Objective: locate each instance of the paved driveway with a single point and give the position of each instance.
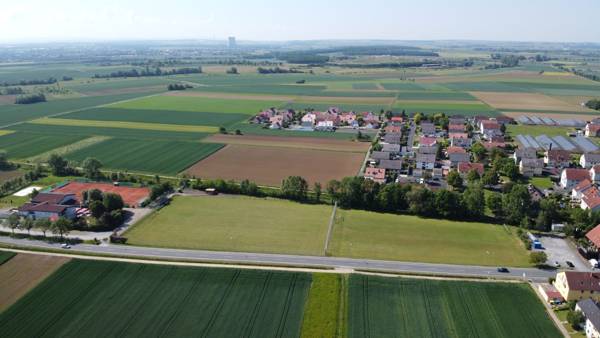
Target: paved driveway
(559, 250)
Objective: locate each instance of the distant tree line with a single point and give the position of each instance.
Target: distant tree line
(30, 99)
(587, 74)
(506, 61)
(593, 104)
(408, 64)
(381, 50)
(49, 80)
(278, 70)
(178, 86)
(12, 91)
(149, 72)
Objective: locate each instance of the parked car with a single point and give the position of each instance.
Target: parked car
(503, 270)
(570, 264)
(65, 246)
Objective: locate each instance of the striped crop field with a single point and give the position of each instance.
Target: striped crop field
(126, 125)
(395, 307)
(163, 157)
(109, 299)
(21, 145)
(198, 104)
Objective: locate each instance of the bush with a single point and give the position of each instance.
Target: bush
(538, 258)
(575, 318)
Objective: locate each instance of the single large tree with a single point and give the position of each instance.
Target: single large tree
(91, 168)
(43, 224)
(57, 164)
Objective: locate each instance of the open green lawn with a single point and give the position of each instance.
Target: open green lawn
(198, 104)
(163, 157)
(541, 182)
(396, 307)
(325, 312)
(110, 299)
(235, 224)
(520, 129)
(158, 116)
(362, 234)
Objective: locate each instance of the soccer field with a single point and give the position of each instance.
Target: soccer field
(232, 223)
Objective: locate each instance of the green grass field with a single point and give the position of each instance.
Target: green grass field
(126, 125)
(198, 104)
(465, 109)
(22, 145)
(324, 315)
(164, 157)
(5, 256)
(395, 307)
(235, 224)
(361, 234)
(109, 299)
(435, 96)
(158, 116)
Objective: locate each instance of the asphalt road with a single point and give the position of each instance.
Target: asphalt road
(293, 260)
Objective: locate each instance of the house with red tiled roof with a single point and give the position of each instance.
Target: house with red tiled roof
(594, 236)
(397, 119)
(557, 158)
(574, 285)
(591, 200)
(457, 155)
(592, 130)
(456, 128)
(465, 167)
(393, 129)
(579, 190)
(375, 174)
(570, 177)
(50, 206)
(489, 129)
(427, 141)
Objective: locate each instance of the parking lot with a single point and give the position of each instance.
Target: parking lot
(559, 250)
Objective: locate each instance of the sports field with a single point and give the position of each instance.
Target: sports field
(132, 196)
(395, 307)
(362, 234)
(108, 299)
(227, 223)
(271, 165)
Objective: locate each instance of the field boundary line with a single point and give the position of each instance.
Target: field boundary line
(330, 229)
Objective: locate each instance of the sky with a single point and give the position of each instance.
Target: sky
(279, 20)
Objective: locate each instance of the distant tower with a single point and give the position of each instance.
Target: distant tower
(232, 43)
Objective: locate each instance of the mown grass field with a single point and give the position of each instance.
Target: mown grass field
(107, 299)
(362, 234)
(158, 117)
(235, 224)
(163, 157)
(394, 307)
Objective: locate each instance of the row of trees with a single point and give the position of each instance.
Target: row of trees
(60, 227)
(50, 80)
(12, 91)
(149, 72)
(593, 104)
(59, 166)
(29, 99)
(278, 70)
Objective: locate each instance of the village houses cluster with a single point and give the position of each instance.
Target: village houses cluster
(329, 120)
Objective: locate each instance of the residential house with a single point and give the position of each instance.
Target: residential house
(375, 174)
(380, 155)
(530, 167)
(591, 200)
(428, 150)
(457, 155)
(308, 120)
(457, 120)
(391, 148)
(490, 129)
(522, 153)
(570, 177)
(371, 120)
(394, 138)
(325, 125)
(456, 128)
(589, 160)
(591, 313)
(425, 161)
(51, 206)
(463, 142)
(428, 129)
(393, 129)
(465, 167)
(594, 236)
(427, 141)
(579, 190)
(392, 166)
(492, 145)
(574, 285)
(348, 118)
(592, 130)
(595, 173)
(550, 294)
(556, 158)
(397, 119)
